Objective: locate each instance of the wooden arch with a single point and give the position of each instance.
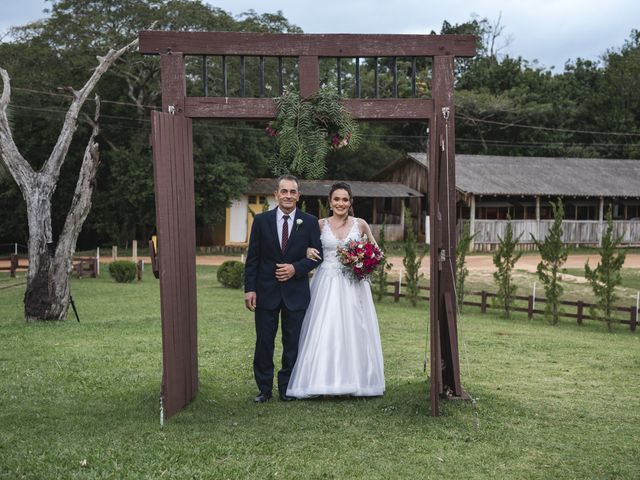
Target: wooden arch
(174, 188)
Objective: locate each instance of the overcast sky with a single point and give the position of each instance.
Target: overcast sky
(551, 31)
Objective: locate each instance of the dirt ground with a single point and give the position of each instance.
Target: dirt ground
(479, 263)
(475, 262)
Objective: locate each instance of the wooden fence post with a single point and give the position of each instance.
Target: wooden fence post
(483, 301)
(579, 312)
(14, 265)
(396, 291)
(139, 269)
(633, 322)
(530, 308)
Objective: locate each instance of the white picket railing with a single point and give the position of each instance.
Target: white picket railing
(575, 232)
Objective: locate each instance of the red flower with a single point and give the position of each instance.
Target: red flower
(360, 258)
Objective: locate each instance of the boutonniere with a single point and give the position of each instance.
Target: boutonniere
(298, 223)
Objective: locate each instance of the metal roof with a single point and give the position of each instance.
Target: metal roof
(320, 188)
(580, 177)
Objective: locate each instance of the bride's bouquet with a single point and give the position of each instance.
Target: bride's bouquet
(359, 258)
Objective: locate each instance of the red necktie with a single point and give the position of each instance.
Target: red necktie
(285, 232)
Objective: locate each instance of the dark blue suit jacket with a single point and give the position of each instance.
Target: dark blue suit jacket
(264, 253)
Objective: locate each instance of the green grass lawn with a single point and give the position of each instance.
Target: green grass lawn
(550, 402)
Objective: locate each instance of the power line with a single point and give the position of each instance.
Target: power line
(66, 95)
(461, 115)
(201, 126)
(551, 129)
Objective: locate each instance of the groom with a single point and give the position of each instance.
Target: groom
(276, 282)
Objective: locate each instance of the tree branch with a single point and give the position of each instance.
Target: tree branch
(81, 202)
(9, 153)
(56, 159)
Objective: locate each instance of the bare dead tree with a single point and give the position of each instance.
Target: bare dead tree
(47, 296)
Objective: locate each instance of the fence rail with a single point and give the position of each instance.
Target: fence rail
(484, 304)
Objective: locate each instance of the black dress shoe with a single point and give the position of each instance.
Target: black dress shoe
(286, 398)
(262, 397)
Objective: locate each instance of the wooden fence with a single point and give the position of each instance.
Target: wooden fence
(86, 266)
(16, 262)
(484, 304)
(81, 266)
(575, 232)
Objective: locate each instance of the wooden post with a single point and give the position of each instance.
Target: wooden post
(579, 312)
(80, 268)
(139, 269)
(396, 291)
(97, 261)
(483, 301)
(374, 214)
(175, 221)
(600, 221)
(530, 308)
(96, 267)
(114, 252)
(134, 250)
(14, 265)
(472, 222)
(537, 216)
(633, 321)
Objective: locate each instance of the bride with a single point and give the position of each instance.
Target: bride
(339, 349)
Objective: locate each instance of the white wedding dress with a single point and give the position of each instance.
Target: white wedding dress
(339, 351)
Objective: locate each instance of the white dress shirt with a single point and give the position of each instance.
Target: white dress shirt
(280, 221)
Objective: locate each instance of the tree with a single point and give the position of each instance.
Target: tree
(412, 260)
(464, 242)
(553, 253)
(382, 273)
(606, 276)
(65, 44)
(505, 259)
(47, 293)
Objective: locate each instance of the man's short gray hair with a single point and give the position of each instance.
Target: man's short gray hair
(287, 177)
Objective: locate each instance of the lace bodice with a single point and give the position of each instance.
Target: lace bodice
(330, 243)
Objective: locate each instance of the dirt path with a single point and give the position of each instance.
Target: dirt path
(480, 263)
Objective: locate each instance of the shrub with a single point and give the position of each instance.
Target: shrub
(412, 260)
(382, 273)
(605, 277)
(553, 254)
(122, 271)
(231, 274)
(505, 260)
(463, 247)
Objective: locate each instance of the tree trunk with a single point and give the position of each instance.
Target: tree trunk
(47, 294)
(48, 277)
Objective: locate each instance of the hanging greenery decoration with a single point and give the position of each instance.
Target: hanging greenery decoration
(306, 130)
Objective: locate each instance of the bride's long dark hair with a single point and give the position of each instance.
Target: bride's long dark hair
(341, 186)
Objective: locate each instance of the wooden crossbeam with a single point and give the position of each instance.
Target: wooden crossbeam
(294, 45)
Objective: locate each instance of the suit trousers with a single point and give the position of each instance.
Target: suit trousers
(266, 329)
